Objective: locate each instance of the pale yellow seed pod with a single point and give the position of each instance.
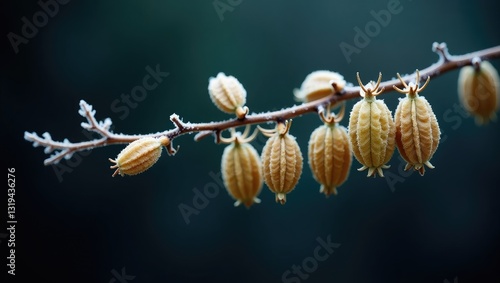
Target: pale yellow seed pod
(478, 90)
(330, 156)
(242, 170)
(281, 162)
(417, 129)
(139, 155)
(372, 130)
(228, 94)
(318, 84)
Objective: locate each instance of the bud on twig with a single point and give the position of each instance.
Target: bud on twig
(139, 155)
(228, 94)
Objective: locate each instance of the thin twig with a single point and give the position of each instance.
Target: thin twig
(65, 149)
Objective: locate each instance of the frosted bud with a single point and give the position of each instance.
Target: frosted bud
(318, 84)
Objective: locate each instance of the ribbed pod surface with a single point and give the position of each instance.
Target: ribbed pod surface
(417, 132)
(227, 93)
(478, 91)
(330, 156)
(282, 164)
(242, 172)
(139, 155)
(372, 133)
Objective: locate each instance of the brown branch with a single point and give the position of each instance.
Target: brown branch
(65, 149)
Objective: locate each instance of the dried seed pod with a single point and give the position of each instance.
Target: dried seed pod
(281, 161)
(318, 84)
(329, 153)
(417, 129)
(241, 168)
(371, 130)
(478, 90)
(228, 94)
(139, 155)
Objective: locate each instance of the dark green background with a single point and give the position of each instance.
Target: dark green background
(442, 226)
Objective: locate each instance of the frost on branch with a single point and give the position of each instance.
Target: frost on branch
(65, 149)
(92, 124)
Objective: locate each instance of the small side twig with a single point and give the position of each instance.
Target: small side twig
(177, 122)
(65, 149)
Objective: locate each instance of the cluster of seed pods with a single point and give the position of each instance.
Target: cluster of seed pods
(372, 136)
(243, 170)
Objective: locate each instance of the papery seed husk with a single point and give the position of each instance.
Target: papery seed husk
(478, 91)
(242, 172)
(282, 164)
(372, 134)
(227, 93)
(318, 84)
(330, 156)
(417, 132)
(139, 155)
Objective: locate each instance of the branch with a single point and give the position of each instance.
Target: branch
(65, 149)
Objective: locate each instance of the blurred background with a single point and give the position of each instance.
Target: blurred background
(78, 224)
